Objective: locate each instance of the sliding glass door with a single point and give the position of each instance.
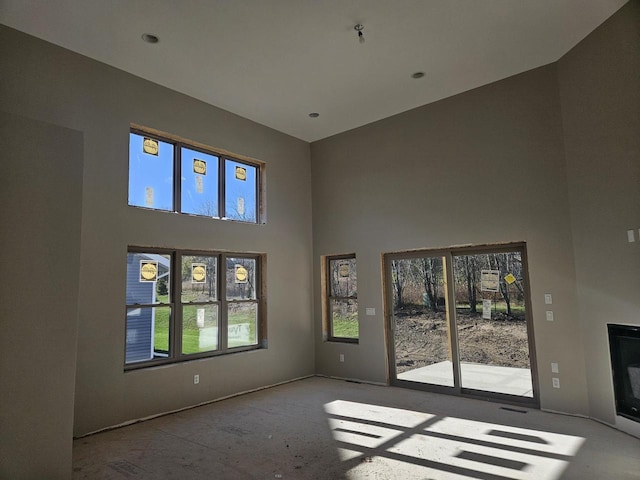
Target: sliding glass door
(458, 322)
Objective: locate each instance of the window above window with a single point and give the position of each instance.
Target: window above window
(175, 176)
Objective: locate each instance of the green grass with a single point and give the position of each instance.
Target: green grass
(191, 332)
(345, 327)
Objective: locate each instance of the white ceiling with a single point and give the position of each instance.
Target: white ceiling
(275, 61)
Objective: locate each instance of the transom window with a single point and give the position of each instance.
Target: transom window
(174, 176)
(183, 305)
(341, 298)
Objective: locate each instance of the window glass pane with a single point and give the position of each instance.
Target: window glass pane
(240, 191)
(199, 183)
(199, 278)
(199, 328)
(148, 278)
(343, 277)
(147, 333)
(241, 278)
(344, 318)
(150, 173)
(243, 324)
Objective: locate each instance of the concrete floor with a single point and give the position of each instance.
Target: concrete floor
(509, 380)
(319, 428)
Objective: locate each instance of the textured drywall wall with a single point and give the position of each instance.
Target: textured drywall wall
(40, 205)
(600, 90)
(486, 166)
(49, 83)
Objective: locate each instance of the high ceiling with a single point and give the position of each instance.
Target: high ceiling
(276, 61)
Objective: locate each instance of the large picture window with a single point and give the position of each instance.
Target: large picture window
(183, 305)
(174, 176)
(341, 298)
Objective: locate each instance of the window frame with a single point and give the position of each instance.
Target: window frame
(222, 155)
(175, 353)
(328, 298)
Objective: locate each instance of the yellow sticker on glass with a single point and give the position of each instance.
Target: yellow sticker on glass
(344, 270)
(198, 273)
(241, 173)
(150, 146)
(199, 166)
(148, 271)
(509, 279)
(241, 274)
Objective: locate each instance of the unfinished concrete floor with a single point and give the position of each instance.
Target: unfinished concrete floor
(319, 428)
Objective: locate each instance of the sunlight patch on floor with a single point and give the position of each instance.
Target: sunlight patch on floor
(414, 443)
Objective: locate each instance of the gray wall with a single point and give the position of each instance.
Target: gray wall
(48, 83)
(600, 90)
(40, 205)
(485, 166)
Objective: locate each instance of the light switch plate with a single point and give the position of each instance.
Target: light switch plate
(554, 367)
(631, 236)
(549, 316)
(548, 299)
(556, 382)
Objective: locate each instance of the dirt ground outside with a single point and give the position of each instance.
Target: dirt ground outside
(421, 339)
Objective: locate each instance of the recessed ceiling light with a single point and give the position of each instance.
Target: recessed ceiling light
(150, 38)
(314, 114)
(417, 75)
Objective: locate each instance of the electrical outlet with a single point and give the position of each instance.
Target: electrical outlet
(341, 357)
(549, 316)
(554, 367)
(548, 299)
(556, 382)
(196, 379)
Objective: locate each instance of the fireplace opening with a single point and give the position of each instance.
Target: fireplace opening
(624, 346)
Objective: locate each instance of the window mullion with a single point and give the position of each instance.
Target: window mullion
(222, 208)
(177, 178)
(223, 331)
(175, 326)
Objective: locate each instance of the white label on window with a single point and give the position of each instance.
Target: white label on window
(489, 280)
(486, 309)
(200, 317)
(199, 184)
(240, 206)
(148, 197)
(239, 331)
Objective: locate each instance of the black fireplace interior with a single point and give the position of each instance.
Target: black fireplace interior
(624, 345)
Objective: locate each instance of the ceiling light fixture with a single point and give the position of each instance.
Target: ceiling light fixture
(314, 114)
(150, 38)
(358, 28)
(417, 75)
